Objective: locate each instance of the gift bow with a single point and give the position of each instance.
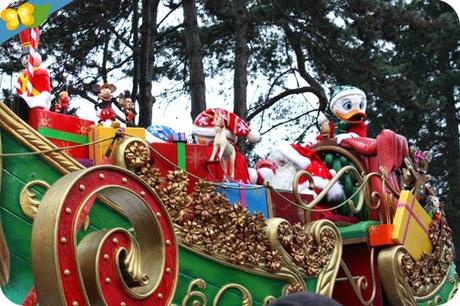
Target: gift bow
(23, 15)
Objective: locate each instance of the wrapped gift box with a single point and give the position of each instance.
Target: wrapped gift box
(282, 206)
(380, 235)
(189, 157)
(253, 197)
(97, 151)
(411, 226)
(62, 130)
(193, 158)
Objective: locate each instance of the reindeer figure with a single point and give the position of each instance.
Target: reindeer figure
(226, 150)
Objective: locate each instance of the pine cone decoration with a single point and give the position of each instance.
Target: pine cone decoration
(218, 228)
(431, 268)
(137, 155)
(150, 175)
(304, 250)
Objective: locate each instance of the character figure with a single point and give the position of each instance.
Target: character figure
(127, 106)
(221, 145)
(62, 105)
(106, 98)
(204, 132)
(348, 104)
(33, 83)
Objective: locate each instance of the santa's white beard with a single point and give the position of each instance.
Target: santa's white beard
(284, 177)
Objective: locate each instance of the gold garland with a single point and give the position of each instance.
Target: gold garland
(302, 247)
(208, 222)
(431, 269)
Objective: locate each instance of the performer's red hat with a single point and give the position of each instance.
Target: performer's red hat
(26, 39)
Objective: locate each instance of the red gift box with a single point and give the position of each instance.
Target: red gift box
(192, 158)
(282, 206)
(380, 235)
(62, 130)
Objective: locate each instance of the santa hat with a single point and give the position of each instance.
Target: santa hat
(343, 91)
(263, 172)
(235, 126)
(29, 37)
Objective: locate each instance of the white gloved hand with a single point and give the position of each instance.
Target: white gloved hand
(341, 137)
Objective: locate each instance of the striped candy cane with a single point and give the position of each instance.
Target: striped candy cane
(31, 65)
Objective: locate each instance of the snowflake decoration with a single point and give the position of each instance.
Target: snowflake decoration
(44, 121)
(83, 128)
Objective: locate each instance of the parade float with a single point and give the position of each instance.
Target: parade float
(95, 214)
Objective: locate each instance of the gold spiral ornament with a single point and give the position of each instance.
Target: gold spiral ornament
(132, 153)
(109, 267)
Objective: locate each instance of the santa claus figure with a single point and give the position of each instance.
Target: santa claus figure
(286, 161)
(204, 131)
(33, 83)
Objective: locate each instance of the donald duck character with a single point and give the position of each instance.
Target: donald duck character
(348, 104)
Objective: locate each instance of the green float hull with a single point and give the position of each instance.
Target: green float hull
(20, 170)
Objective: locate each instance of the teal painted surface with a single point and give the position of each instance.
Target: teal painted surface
(21, 280)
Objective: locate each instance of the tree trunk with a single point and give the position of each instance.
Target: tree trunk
(240, 79)
(135, 31)
(453, 167)
(194, 58)
(146, 61)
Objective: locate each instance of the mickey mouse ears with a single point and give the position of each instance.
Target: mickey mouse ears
(97, 87)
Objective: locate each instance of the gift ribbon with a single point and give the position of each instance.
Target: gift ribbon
(64, 136)
(181, 163)
(412, 214)
(242, 195)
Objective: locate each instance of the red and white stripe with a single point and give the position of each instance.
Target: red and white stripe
(31, 65)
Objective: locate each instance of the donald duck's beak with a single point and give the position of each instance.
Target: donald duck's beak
(353, 116)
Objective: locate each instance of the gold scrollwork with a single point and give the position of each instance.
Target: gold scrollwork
(198, 298)
(393, 280)
(27, 198)
(361, 283)
(147, 263)
(193, 294)
(327, 276)
(247, 298)
(323, 232)
(268, 300)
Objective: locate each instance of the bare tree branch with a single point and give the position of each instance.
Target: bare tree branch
(287, 121)
(268, 103)
(294, 41)
(173, 7)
